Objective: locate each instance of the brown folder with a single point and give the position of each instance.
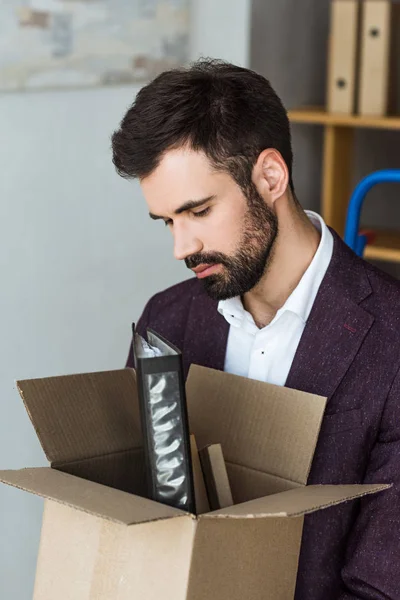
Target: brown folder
(343, 56)
(379, 58)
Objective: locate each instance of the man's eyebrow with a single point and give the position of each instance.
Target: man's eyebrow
(190, 205)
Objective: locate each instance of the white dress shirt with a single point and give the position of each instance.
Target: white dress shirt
(267, 354)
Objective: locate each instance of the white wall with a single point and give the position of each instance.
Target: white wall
(221, 29)
(79, 258)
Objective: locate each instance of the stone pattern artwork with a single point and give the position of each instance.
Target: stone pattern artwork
(84, 43)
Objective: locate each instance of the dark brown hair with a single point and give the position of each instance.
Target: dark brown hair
(230, 113)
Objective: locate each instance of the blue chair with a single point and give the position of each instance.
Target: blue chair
(353, 238)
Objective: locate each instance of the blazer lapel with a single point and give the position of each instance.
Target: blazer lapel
(206, 334)
(336, 327)
(334, 332)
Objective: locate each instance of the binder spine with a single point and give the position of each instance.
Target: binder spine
(344, 49)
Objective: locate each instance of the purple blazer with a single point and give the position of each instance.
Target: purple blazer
(349, 352)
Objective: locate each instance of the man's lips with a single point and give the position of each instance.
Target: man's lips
(205, 270)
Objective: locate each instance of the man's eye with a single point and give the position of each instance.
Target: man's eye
(168, 222)
(202, 213)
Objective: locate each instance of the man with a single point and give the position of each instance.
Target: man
(277, 297)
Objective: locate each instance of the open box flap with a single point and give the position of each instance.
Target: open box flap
(265, 427)
(297, 502)
(84, 415)
(87, 496)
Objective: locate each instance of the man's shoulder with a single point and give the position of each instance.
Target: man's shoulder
(386, 290)
(384, 305)
(379, 291)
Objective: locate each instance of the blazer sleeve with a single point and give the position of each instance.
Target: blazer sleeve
(372, 568)
(141, 327)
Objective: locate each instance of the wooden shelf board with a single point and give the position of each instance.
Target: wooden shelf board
(319, 116)
(386, 247)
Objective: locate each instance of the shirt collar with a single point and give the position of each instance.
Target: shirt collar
(302, 298)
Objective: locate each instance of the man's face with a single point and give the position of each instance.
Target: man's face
(223, 235)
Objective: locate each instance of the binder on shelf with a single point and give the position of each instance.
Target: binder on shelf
(343, 56)
(379, 58)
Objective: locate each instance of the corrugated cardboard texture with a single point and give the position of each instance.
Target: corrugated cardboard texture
(85, 415)
(297, 502)
(247, 484)
(123, 470)
(202, 504)
(86, 558)
(89, 497)
(245, 560)
(261, 426)
(216, 477)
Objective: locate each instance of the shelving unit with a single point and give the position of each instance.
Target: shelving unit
(337, 170)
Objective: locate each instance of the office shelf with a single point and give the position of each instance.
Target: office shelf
(337, 170)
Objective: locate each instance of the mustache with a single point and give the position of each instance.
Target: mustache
(206, 258)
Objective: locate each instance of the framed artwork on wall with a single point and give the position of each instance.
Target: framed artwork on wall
(88, 43)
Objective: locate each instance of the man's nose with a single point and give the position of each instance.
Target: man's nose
(185, 245)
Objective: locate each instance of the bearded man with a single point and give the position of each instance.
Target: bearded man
(277, 297)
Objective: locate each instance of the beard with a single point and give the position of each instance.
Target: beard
(243, 270)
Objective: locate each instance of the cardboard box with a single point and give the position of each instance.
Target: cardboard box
(200, 492)
(216, 477)
(101, 540)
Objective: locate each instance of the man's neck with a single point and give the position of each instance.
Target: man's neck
(294, 249)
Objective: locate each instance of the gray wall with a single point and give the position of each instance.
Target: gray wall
(289, 47)
(79, 258)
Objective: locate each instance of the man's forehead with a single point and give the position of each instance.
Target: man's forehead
(181, 176)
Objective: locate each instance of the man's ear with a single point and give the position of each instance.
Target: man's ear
(271, 175)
